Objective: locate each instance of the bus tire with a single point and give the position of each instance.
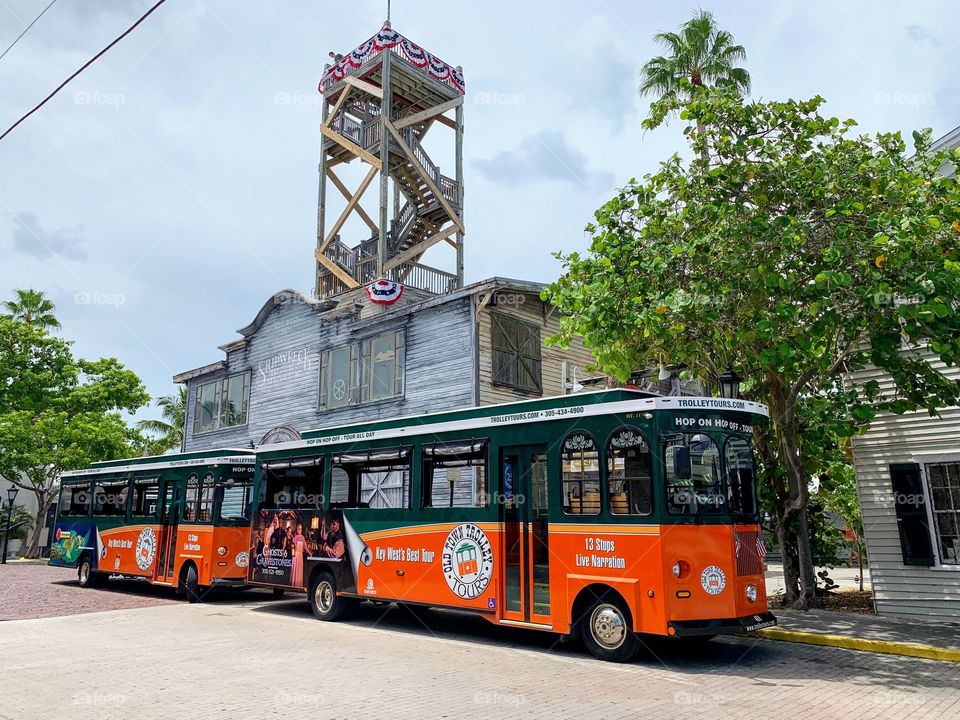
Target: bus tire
(606, 632)
(190, 584)
(324, 601)
(86, 575)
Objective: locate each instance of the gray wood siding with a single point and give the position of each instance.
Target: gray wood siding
(530, 310)
(917, 592)
(283, 356)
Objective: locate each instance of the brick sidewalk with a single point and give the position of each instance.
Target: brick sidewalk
(34, 591)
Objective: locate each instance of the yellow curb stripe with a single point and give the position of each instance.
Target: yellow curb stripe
(906, 649)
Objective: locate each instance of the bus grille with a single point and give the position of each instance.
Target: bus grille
(750, 552)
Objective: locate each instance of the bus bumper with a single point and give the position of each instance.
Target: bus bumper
(725, 626)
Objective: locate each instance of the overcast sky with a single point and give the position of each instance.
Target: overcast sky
(168, 191)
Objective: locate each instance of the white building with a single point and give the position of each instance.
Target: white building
(908, 475)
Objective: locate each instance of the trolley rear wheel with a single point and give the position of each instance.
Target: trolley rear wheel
(605, 629)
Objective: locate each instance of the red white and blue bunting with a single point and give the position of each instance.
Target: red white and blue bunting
(384, 292)
(384, 40)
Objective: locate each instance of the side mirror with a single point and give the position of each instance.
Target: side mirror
(682, 467)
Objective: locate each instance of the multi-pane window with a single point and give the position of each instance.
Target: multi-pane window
(944, 479)
(581, 475)
(516, 353)
(110, 498)
(75, 500)
(629, 473)
(237, 500)
(379, 479)
(366, 371)
(145, 493)
(222, 403)
(455, 475)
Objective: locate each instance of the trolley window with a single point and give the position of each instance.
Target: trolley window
(581, 475)
(75, 500)
(379, 479)
(629, 473)
(110, 498)
(455, 475)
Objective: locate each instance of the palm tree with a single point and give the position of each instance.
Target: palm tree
(33, 308)
(700, 53)
(169, 430)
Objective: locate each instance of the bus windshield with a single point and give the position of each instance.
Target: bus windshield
(707, 475)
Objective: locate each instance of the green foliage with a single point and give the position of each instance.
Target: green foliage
(59, 413)
(792, 249)
(21, 520)
(33, 308)
(167, 433)
(700, 54)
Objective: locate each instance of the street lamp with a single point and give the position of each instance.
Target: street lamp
(730, 384)
(11, 496)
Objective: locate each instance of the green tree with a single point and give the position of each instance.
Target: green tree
(166, 433)
(58, 413)
(33, 308)
(699, 55)
(838, 490)
(793, 250)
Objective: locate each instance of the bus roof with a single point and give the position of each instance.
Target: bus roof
(218, 456)
(601, 402)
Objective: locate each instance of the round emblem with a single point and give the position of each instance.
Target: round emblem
(713, 580)
(339, 389)
(116, 562)
(241, 559)
(467, 561)
(146, 548)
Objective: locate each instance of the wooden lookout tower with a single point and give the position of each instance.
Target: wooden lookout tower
(379, 101)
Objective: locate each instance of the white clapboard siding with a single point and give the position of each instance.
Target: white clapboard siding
(903, 590)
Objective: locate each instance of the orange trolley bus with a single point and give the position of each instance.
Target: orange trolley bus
(181, 520)
(604, 515)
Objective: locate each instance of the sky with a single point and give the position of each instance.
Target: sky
(165, 194)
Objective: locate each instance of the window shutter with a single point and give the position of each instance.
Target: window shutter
(912, 521)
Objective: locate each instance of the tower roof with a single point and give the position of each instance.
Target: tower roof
(390, 39)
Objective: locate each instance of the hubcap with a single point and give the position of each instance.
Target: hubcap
(84, 573)
(608, 627)
(324, 596)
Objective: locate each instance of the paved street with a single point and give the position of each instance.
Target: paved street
(244, 655)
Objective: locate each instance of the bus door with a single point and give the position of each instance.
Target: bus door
(525, 560)
(171, 510)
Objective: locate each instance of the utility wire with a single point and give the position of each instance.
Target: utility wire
(27, 28)
(82, 68)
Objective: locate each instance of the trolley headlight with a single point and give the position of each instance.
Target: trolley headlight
(676, 569)
(222, 550)
(681, 569)
(752, 593)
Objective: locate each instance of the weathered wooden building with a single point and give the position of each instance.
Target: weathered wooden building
(304, 363)
(384, 334)
(908, 475)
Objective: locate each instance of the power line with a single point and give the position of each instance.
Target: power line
(27, 29)
(83, 67)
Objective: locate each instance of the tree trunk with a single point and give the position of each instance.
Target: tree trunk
(43, 507)
(791, 575)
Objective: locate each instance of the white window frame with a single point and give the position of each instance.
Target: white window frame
(221, 388)
(923, 460)
(361, 372)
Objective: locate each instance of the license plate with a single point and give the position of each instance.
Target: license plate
(760, 625)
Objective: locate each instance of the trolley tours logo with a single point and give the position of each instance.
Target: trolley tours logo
(242, 560)
(713, 580)
(467, 561)
(146, 548)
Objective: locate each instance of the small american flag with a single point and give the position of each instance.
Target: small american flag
(738, 545)
(761, 547)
